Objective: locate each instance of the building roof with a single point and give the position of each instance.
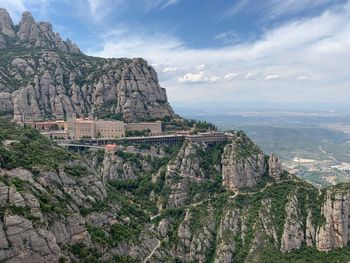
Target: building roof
(110, 146)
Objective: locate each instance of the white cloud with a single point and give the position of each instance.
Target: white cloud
(201, 67)
(317, 47)
(158, 4)
(100, 9)
(302, 78)
(228, 37)
(230, 76)
(170, 3)
(251, 75)
(16, 7)
(236, 8)
(277, 8)
(200, 77)
(170, 69)
(272, 77)
(273, 9)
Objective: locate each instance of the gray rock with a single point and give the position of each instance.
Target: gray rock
(2, 42)
(293, 234)
(242, 169)
(129, 88)
(335, 232)
(28, 243)
(275, 167)
(6, 24)
(310, 235)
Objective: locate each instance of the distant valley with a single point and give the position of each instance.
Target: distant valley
(314, 145)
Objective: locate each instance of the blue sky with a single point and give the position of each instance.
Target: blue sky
(216, 50)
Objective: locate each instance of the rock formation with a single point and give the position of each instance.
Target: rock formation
(157, 205)
(275, 167)
(334, 233)
(293, 235)
(6, 24)
(50, 78)
(243, 164)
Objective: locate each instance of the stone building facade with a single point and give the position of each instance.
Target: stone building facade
(78, 128)
(153, 127)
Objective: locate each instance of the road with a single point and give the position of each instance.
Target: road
(152, 252)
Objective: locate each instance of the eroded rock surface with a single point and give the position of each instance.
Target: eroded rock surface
(51, 78)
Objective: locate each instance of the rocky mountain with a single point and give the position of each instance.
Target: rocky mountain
(188, 203)
(44, 77)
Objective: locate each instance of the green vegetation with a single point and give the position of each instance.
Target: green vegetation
(305, 255)
(28, 148)
(179, 124)
(76, 170)
(85, 254)
(107, 111)
(48, 202)
(176, 216)
(210, 159)
(142, 133)
(278, 194)
(23, 211)
(245, 147)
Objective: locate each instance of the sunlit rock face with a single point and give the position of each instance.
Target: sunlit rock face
(48, 77)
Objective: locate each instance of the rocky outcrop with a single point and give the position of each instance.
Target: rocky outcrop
(293, 235)
(115, 167)
(2, 42)
(54, 79)
(310, 235)
(27, 243)
(243, 164)
(40, 35)
(6, 24)
(193, 245)
(334, 233)
(275, 167)
(186, 169)
(232, 225)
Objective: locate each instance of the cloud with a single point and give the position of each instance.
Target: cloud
(16, 7)
(317, 47)
(230, 76)
(201, 67)
(273, 9)
(170, 3)
(150, 5)
(100, 9)
(236, 8)
(277, 8)
(200, 77)
(302, 78)
(272, 77)
(251, 75)
(173, 69)
(228, 37)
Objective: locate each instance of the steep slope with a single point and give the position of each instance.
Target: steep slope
(162, 204)
(42, 76)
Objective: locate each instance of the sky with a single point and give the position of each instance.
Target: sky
(216, 51)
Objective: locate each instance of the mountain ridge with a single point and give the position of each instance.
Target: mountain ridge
(191, 202)
(162, 204)
(44, 77)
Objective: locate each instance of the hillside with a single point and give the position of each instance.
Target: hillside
(190, 203)
(44, 77)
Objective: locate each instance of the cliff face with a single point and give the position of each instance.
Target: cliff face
(161, 204)
(243, 164)
(42, 76)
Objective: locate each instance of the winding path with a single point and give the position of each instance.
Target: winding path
(152, 252)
